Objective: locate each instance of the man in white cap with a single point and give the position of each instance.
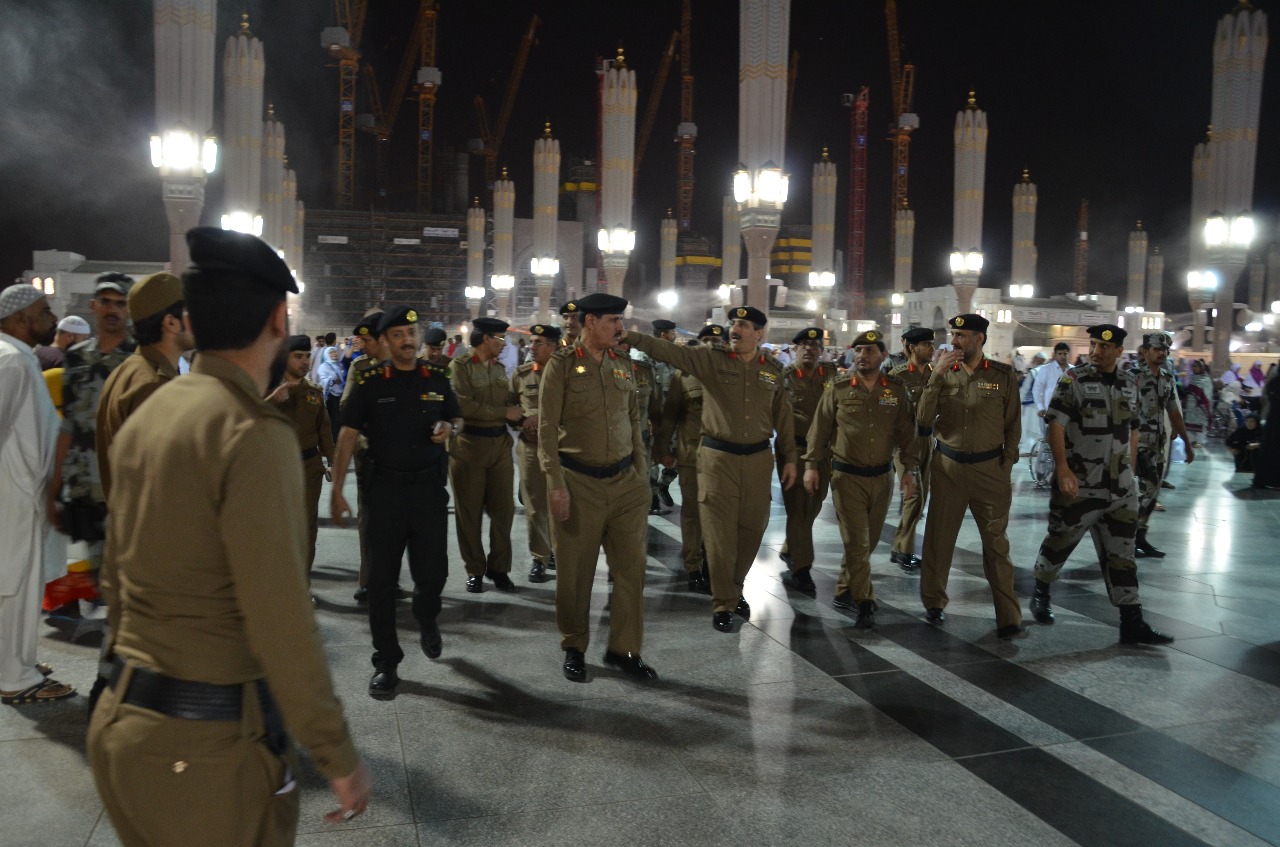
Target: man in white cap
(28, 434)
(71, 331)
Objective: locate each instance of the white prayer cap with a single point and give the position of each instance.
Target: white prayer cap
(73, 324)
(15, 298)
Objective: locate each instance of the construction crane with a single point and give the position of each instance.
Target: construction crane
(902, 82)
(428, 83)
(492, 139)
(342, 42)
(857, 260)
(655, 97)
(687, 131)
(1082, 250)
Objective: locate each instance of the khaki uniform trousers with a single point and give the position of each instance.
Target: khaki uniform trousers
(196, 783)
(913, 507)
(690, 525)
(613, 513)
(802, 511)
(533, 490)
(986, 491)
(733, 506)
(483, 478)
(313, 474)
(861, 502)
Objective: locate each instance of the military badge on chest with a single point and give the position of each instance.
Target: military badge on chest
(989, 386)
(768, 378)
(888, 398)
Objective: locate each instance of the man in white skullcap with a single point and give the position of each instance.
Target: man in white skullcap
(71, 331)
(32, 552)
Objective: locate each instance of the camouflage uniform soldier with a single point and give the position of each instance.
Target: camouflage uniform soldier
(805, 380)
(914, 373)
(526, 383)
(1093, 431)
(645, 380)
(1156, 397)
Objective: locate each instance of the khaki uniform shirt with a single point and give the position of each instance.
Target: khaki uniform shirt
(483, 390)
(588, 410)
(136, 379)
(805, 388)
(526, 382)
(974, 414)
(205, 569)
(304, 407)
(1099, 413)
(861, 424)
(682, 415)
(646, 390)
(744, 401)
(914, 378)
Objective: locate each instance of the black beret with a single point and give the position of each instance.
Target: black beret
(435, 337)
(663, 325)
(214, 248)
(973, 323)
(804, 336)
(368, 325)
(916, 334)
(748, 313)
(397, 316)
(570, 307)
(1110, 333)
(551, 333)
(298, 344)
(489, 326)
(712, 330)
(600, 303)
(871, 336)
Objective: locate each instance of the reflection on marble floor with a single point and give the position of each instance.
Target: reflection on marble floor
(798, 728)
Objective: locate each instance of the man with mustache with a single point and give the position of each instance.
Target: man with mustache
(370, 357)
(806, 379)
(526, 384)
(914, 373)
(1156, 398)
(744, 405)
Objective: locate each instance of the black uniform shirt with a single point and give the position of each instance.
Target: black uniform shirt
(398, 410)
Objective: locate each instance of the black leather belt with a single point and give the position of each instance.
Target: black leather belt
(486, 431)
(801, 441)
(735, 449)
(968, 458)
(310, 454)
(592, 471)
(860, 470)
(187, 699)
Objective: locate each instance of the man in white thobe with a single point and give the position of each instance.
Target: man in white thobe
(33, 552)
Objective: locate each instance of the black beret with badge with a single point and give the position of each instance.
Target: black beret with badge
(663, 325)
(215, 249)
(973, 323)
(435, 337)
(711, 331)
(748, 313)
(551, 333)
(871, 336)
(1109, 333)
(806, 336)
(570, 307)
(368, 325)
(489, 326)
(917, 334)
(600, 303)
(397, 316)
(298, 344)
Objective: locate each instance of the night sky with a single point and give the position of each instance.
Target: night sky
(1100, 100)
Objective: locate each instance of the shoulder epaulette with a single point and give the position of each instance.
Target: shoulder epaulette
(363, 375)
(1000, 366)
(525, 368)
(893, 378)
(563, 353)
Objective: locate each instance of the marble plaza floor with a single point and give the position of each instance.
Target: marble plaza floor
(798, 728)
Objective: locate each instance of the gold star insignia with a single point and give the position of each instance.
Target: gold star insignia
(411, 316)
(581, 369)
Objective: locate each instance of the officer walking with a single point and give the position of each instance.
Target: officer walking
(370, 357)
(590, 446)
(1157, 397)
(217, 652)
(660, 478)
(405, 408)
(806, 380)
(868, 417)
(526, 384)
(480, 466)
(744, 404)
(914, 373)
(970, 406)
(645, 381)
(1093, 432)
(302, 402)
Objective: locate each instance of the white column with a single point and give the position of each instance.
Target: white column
(730, 243)
(617, 174)
(475, 246)
(1024, 231)
(299, 235)
(1137, 276)
(904, 236)
(288, 216)
(1155, 281)
(272, 179)
(1239, 56)
(667, 255)
(546, 188)
(1202, 168)
(243, 69)
(822, 263)
(504, 202)
(970, 181)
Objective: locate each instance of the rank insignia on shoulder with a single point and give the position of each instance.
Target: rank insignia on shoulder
(433, 395)
(1065, 379)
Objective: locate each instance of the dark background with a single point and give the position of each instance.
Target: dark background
(1100, 100)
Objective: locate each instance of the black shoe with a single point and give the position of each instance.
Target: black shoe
(786, 559)
(575, 666)
(909, 562)
(1140, 632)
(501, 581)
(800, 580)
(743, 609)
(538, 572)
(844, 600)
(551, 563)
(475, 584)
(1010, 631)
(361, 596)
(1144, 548)
(722, 621)
(432, 644)
(631, 664)
(401, 594)
(1167, 484)
(866, 614)
(1040, 608)
(934, 616)
(664, 493)
(655, 506)
(697, 582)
(383, 683)
(706, 577)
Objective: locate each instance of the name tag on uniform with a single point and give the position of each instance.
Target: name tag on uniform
(1092, 389)
(431, 395)
(989, 386)
(621, 374)
(888, 399)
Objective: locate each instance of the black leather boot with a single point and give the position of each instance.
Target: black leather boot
(1143, 547)
(1134, 630)
(1040, 609)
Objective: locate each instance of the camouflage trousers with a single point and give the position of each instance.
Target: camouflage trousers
(1112, 522)
(1152, 465)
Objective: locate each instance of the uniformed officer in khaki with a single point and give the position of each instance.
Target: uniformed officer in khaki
(645, 380)
(744, 404)
(433, 342)
(302, 402)
(858, 425)
(218, 658)
(590, 446)
(682, 415)
(805, 379)
(970, 405)
(480, 466)
(571, 323)
(917, 343)
(526, 384)
(366, 335)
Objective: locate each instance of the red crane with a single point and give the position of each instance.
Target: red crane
(857, 260)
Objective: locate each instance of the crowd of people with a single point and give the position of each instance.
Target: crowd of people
(195, 483)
